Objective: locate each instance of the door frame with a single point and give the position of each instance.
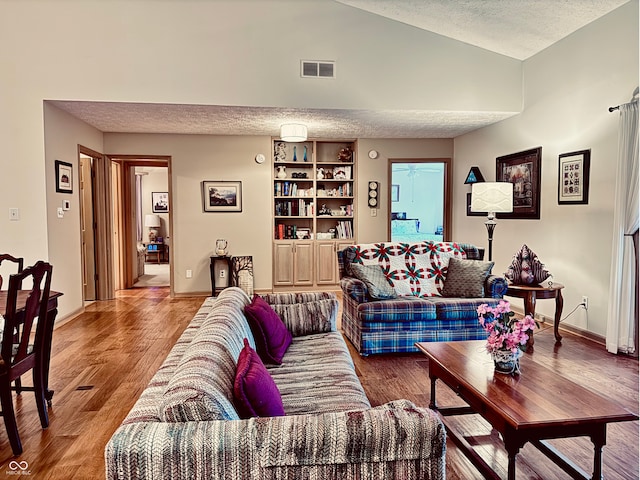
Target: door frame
(127, 204)
(448, 176)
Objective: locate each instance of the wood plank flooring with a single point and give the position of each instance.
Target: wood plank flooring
(103, 359)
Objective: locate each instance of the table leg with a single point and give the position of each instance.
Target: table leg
(432, 403)
(558, 317)
(530, 309)
(512, 444)
(598, 439)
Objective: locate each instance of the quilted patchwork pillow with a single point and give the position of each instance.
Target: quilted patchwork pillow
(465, 278)
(377, 284)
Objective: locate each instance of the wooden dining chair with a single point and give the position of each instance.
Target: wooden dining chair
(11, 258)
(18, 354)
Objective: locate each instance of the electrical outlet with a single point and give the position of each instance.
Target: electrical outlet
(374, 212)
(223, 273)
(14, 214)
(585, 302)
(189, 273)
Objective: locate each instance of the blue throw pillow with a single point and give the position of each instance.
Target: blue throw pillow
(377, 283)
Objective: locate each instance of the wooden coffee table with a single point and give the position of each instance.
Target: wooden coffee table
(532, 407)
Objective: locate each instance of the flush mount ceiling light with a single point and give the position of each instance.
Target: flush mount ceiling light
(293, 132)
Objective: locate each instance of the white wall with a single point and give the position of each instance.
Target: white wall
(375, 229)
(568, 88)
(226, 52)
(62, 137)
(195, 158)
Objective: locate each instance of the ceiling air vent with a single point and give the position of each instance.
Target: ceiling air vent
(318, 69)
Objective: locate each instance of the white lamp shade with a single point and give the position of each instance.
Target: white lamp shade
(152, 221)
(293, 132)
(492, 197)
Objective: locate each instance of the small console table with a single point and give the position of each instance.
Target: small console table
(531, 293)
(160, 250)
(220, 269)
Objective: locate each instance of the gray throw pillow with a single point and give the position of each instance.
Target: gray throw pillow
(465, 278)
(373, 276)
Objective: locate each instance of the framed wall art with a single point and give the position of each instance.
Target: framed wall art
(222, 196)
(64, 177)
(523, 169)
(573, 177)
(160, 202)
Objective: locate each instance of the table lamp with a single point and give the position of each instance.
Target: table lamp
(492, 197)
(152, 222)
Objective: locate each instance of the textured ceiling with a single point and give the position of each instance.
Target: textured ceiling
(224, 120)
(517, 28)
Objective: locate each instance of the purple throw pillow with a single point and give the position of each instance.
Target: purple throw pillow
(269, 331)
(255, 393)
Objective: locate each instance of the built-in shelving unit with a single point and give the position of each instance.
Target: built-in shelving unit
(313, 209)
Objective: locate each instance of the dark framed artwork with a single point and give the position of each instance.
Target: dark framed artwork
(473, 214)
(222, 196)
(395, 193)
(523, 169)
(64, 177)
(573, 177)
(160, 202)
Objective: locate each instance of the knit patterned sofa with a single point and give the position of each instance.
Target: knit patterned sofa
(185, 426)
(420, 313)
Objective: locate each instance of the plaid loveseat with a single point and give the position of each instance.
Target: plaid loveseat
(420, 313)
(185, 425)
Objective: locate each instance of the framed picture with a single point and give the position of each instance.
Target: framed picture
(523, 169)
(222, 196)
(160, 202)
(573, 177)
(395, 193)
(64, 177)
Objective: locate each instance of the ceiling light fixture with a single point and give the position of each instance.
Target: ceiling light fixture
(293, 132)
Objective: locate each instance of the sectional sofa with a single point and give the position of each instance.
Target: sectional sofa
(395, 294)
(187, 423)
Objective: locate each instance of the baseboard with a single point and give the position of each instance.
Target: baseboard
(68, 317)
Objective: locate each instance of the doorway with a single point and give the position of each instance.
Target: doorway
(87, 228)
(419, 200)
(145, 208)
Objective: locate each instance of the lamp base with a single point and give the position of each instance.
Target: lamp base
(491, 225)
(153, 236)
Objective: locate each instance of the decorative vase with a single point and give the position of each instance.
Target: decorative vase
(507, 362)
(295, 154)
(282, 171)
(305, 154)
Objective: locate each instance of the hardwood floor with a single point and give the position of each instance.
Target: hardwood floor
(103, 359)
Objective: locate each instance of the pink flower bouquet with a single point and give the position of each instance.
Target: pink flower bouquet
(506, 333)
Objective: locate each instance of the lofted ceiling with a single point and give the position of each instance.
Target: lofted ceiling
(515, 28)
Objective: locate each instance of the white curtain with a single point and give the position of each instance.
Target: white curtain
(620, 321)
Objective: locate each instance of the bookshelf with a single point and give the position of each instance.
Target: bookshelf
(314, 196)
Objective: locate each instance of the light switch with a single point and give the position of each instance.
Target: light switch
(60, 212)
(374, 212)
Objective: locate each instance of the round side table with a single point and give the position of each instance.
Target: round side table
(530, 293)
